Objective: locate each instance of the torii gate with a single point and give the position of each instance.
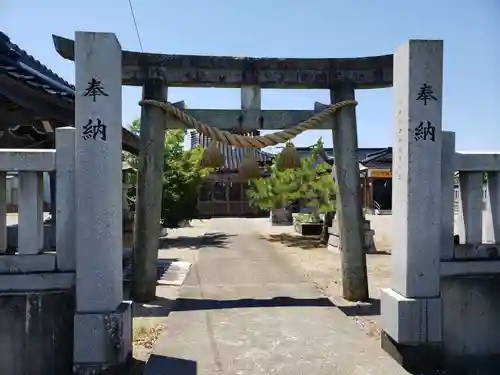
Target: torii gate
(156, 72)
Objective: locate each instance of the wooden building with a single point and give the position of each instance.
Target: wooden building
(377, 186)
(224, 191)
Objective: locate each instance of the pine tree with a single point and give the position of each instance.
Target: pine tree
(310, 186)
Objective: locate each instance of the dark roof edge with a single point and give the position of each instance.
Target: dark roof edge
(17, 53)
(15, 56)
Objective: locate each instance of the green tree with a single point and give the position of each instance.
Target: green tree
(182, 177)
(310, 186)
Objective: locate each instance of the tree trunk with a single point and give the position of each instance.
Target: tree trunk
(327, 223)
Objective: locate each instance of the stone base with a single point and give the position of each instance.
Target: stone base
(103, 341)
(431, 359)
(414, 358)
(411, 321)
(334, 238)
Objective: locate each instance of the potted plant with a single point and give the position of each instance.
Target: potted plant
(308, 224)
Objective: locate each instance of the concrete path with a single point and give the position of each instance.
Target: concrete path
(244, 310)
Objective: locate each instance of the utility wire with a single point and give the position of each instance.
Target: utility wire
(135, 24)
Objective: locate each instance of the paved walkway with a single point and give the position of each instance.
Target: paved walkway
(244, 310)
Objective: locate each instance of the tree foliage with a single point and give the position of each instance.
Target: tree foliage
(182, 177)
(311, 185)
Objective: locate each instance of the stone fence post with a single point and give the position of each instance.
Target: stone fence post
(65, 199)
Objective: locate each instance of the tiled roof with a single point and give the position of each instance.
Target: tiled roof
(368, 157)
(382, 156)
(234, 156)
(18, 64)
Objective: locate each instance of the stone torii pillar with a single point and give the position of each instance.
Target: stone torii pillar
(149, 194)
(103, 321)
(349, 210)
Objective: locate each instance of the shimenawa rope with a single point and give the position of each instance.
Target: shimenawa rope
(243, 141)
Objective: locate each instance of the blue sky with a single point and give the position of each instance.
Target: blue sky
(292, 28)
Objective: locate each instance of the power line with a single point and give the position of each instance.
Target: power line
(135, 24)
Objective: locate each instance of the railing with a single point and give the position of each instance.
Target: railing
(476, 211)
(457, 198)
(30, 165)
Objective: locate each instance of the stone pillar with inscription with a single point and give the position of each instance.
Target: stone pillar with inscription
(411, 309)
(103, 327)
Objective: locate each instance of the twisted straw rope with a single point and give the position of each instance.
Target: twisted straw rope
(243, 141)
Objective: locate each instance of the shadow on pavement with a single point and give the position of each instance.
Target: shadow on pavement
(160, 307)
(370, 308)
(188, 304)
(305, 242)
(290, 240)
(163, 306)
(162, 266)
(219, 240)
(159, 364)
(136, 367)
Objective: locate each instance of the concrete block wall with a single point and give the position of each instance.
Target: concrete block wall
(36, 331)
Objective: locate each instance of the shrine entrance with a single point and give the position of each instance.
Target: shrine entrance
(156, 72)
(102, 68)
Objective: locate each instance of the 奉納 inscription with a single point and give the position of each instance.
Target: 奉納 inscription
(94, 130)
(426, 94)
(94, 89)
(425, 131)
